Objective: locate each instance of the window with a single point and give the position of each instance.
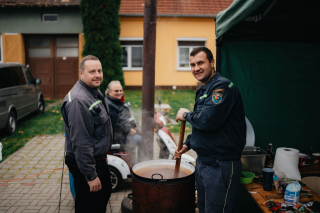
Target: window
(30, 79)
(6, 78)
(39, 47)
(185, 46)
(1, 54)
(132, 54)
(18, 76)
(50, 17)
(67, 47)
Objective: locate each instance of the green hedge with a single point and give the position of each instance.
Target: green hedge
(101, 27)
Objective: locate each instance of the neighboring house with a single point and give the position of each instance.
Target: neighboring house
(46, 35)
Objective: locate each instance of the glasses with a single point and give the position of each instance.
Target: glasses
(117, 90)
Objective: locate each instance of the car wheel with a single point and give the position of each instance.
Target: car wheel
(11, 123)
(41, 107)
(115, 178)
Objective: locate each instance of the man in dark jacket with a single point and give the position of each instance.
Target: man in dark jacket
(88, 133)
(125, 130)
(218, 135)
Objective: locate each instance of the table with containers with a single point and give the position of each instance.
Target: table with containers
(275, 181)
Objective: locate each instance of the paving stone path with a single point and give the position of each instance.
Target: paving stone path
(40, 193)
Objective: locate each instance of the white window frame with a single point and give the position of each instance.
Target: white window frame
(129, 67)
(190, 49)
(1, 49)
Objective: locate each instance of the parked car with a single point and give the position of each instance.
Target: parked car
(20, 95)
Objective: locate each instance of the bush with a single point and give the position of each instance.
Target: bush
(101, 28)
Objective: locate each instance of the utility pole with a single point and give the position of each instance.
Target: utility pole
(148, 81)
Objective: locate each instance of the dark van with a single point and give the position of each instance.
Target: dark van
(20, 95)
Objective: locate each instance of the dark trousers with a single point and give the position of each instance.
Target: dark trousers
(217, 185)
(86, 201)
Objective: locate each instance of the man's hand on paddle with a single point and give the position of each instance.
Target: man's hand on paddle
(177, 154)
(179, 116)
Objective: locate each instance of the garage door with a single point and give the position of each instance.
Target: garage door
(54, 60)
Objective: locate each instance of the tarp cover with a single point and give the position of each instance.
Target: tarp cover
(235, 13)
(280, 84)
(272, 54)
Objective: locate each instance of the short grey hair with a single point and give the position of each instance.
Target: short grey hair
(110, 85)
(87, 58)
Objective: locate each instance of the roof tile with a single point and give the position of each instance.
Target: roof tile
(177, 7)
(136, 7)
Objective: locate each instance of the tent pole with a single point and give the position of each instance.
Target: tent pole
(218, 63)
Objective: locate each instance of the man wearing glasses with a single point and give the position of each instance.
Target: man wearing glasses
(125, 131)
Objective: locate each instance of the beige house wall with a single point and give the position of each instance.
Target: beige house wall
(169, 30)
(13, 48)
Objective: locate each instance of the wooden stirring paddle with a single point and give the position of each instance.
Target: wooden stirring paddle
(178, 160)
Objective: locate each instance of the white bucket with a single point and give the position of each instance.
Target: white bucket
(0, 151)
(292, 192)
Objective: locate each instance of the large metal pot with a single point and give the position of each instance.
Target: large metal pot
(157, 194)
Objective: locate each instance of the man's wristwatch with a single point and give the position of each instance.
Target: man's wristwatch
(92, 176)
(185, 114)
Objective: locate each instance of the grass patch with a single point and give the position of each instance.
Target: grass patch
(50, 122)
(50, 101)
(175, 98)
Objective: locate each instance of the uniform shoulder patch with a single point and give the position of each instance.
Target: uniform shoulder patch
(218, 91)
(217, 96)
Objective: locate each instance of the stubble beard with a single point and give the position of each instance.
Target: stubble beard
(94, 85)
(206, 78)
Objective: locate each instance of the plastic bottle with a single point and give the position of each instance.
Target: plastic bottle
(292, 192)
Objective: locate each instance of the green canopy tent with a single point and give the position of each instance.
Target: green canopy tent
(270, 49)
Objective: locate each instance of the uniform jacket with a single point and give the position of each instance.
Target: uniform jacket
(88, 127)
(121, 118)
(218, 121)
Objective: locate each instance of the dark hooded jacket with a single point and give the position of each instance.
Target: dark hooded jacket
(121, 119)
(88, 127)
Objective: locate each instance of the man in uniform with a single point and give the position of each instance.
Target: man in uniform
(218, 135)
(88, 133)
